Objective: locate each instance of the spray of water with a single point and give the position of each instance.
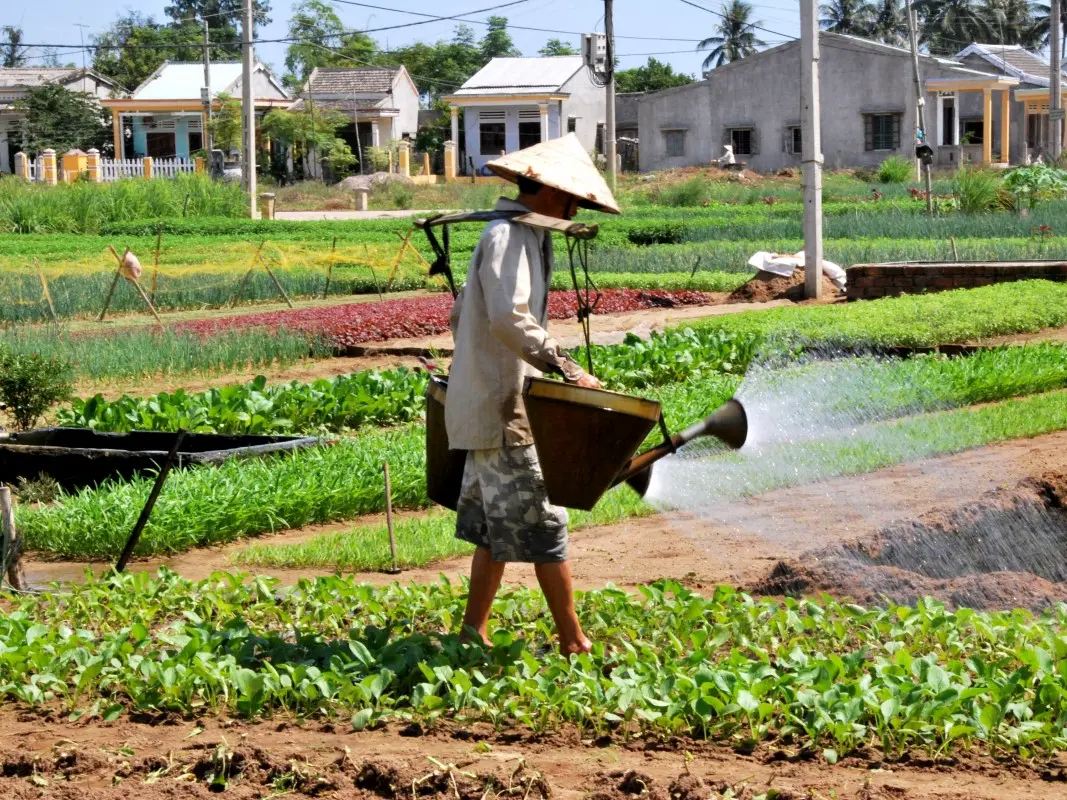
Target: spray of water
(809, 420)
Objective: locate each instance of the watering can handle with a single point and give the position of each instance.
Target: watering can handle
(666, 434)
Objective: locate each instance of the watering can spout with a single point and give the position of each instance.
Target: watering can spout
(728, 424)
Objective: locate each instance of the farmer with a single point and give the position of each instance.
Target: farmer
(498, 322)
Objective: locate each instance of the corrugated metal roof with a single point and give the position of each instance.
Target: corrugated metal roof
(181, 80)
(522, 76)
(345, 80)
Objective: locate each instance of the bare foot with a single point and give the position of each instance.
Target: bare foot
(469, 635)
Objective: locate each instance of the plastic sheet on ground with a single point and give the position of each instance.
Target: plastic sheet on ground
(785, 265)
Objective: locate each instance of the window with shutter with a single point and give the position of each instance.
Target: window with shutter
(744, 141)
(868, 132)
(881, 131)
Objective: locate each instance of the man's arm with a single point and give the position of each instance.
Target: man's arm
(504, 271)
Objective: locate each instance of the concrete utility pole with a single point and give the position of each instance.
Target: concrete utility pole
(248, 110)
(609, 114)
(811, 146)
(209, 140)
(920, 101)
(1055, 98)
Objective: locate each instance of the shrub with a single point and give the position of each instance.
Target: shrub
(1036, 183)
(659, 232)
(31, 384)
(377, 157)
(894, 170)
(975, 190)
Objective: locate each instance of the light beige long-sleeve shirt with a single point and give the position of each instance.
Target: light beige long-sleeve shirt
(498, 323)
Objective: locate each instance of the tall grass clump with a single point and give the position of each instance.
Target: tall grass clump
(975, 190)
(693, 192)
(84, 207)
(894, 170)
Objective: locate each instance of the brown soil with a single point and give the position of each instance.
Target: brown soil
(766, 286)
(1004, 551)
(739, 543)
(152, 758)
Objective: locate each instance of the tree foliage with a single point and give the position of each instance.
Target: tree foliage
(136, 45)
(312, 129)
(735, 35)
(225, 125)
(223, 17)
(652, 77)
(557, 47)
(322, 42)
(58, 118)
(12, 51)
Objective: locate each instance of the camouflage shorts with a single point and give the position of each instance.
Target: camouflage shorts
(503, 506)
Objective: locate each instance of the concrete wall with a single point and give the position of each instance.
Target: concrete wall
(626, 110)
(587, 102)
(684, 107)
(763, 92)
(406, 100)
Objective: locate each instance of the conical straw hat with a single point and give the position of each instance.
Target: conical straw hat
(561, 164)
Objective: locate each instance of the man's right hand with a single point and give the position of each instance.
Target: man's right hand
(588, 381)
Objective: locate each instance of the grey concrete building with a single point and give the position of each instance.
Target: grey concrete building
(868, 109)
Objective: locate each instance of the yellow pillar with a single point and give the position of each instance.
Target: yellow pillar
(198, 162)
(92, 165)
(22, 165)
(116, 132)
(48, 166)
(450, 161)
(987, 126)
(148, 166)
(425, 163)
(1005, 127)
(75, 163)
(404, 157)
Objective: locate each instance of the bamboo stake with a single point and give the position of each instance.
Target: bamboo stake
(270, 272)
(12, 542)
(389, 518)
(399, 257)
(155, 263)
(955, 255)
(244, 279)
(329, 268)
(142, 521)
(44, 287)
(111, 291)
(140, 291)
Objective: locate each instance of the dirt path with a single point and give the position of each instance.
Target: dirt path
(737, 543)
(608, 329)
(50, 758)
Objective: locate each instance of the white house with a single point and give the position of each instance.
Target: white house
(164, 117)
(512, 103)
(382, 102)
(16, 81)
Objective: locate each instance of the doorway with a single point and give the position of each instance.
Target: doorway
(160, 145)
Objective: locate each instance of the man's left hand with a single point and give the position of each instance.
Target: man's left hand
(588, 381)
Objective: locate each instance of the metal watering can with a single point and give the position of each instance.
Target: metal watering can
(586, 440)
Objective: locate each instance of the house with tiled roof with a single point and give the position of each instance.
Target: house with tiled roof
(1030, 106)
(512, 103)
(382, 102)
(16, 81)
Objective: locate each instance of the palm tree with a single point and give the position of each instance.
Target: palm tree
(736, 36)
(851, 17)
(888, 23)
(1042, 13)
(1012, 22)
(949, 25)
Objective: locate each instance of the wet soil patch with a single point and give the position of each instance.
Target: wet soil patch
(1008, 550)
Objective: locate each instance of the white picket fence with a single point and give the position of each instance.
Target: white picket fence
(111, 169)
(169, 167)
(36, 168)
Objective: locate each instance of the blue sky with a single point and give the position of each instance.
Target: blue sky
(40, 21)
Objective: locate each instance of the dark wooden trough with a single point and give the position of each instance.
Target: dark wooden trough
(80, 457)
